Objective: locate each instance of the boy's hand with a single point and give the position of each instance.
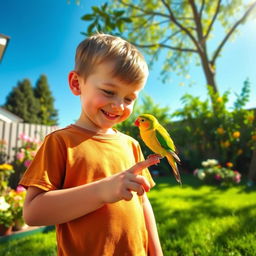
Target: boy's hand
(120, 186)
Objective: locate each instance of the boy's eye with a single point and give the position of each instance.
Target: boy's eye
(109, 93)
(128, 100)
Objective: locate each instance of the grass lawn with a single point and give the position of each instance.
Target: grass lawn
(42, 244)
(204, 220)
(192, 220)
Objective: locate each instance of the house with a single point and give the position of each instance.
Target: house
(9, 117)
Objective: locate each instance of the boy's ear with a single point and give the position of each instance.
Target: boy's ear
(74, 84)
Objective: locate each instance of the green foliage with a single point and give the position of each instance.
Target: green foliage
(33, 105)
(5, 172)
(23, 157)
(16, 199)
(3, 155)
(207, 131)
(105, 19)
(6, 218)
(47, 113)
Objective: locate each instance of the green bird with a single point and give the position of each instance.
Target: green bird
(158, 140)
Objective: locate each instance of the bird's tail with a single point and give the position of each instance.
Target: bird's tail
(173, 164)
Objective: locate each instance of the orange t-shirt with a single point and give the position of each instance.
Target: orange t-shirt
(74, 156)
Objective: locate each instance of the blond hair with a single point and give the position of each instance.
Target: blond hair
(129, 64)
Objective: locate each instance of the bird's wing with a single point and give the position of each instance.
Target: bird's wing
(166, 141)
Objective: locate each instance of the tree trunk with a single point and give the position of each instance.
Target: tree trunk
(209, 70)
(252, 168)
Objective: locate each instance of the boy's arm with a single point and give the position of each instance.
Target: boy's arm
(154, 245)
(63, 205)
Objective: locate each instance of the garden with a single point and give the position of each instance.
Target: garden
(212, 213)
(12, 195)
(195, 219)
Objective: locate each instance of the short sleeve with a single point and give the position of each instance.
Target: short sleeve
(47, 170)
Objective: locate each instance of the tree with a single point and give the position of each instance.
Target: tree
(21, 102)
(33, 105)
(182, 28)
(47, 114)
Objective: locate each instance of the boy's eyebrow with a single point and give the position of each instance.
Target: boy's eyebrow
(110, 84)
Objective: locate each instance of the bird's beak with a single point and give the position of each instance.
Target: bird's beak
(137, 123)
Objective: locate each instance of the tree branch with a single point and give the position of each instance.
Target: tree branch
(143, 10)
(175, 21)
(180, 49)
(165, 46)
(197, 21)
(213, 19)
(202, 9)
(217, 52)
(149, 25)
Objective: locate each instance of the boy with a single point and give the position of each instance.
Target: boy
(88, 179)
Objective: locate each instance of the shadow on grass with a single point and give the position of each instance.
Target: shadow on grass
(178, 228)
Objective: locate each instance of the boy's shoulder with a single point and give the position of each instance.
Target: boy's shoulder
(67, 133)
(128, 137)
(61, 131)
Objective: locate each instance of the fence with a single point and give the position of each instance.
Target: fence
(9, 134)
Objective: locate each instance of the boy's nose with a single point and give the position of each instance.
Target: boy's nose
(117, 106)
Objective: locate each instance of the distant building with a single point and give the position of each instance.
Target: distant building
(9, 117)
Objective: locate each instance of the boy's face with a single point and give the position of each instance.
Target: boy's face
(105, 100)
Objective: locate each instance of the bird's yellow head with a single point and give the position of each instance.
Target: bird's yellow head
(145, 122)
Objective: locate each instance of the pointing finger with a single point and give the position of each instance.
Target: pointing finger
(137, 168)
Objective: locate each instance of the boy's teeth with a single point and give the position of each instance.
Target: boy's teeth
(108, 114)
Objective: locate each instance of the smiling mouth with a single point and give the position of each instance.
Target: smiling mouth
(109, 115)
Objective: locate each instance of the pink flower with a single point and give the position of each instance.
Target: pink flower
(237, 177)
(217, 177)
(24, 137)
(195, 172)
(20, 156)
(20, 189)
(27, 163)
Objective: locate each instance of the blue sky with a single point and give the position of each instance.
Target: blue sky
(44, 35)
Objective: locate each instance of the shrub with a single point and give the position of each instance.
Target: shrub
(16, 199)
(24, 155)
(5, 172)
(213, 173)
(212, 131)
(3, 155)
(6, 217)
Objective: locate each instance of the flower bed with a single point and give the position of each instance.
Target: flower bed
(11, 205)
(213, 173)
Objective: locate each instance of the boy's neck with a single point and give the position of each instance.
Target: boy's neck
(96, 130)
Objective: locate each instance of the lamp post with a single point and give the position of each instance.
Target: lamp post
(3, 45)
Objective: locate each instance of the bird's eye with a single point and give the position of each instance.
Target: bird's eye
(142, 120)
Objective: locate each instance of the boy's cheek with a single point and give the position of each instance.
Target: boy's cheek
(131, 109)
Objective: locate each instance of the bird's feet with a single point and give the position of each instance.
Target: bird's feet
(155, 155)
